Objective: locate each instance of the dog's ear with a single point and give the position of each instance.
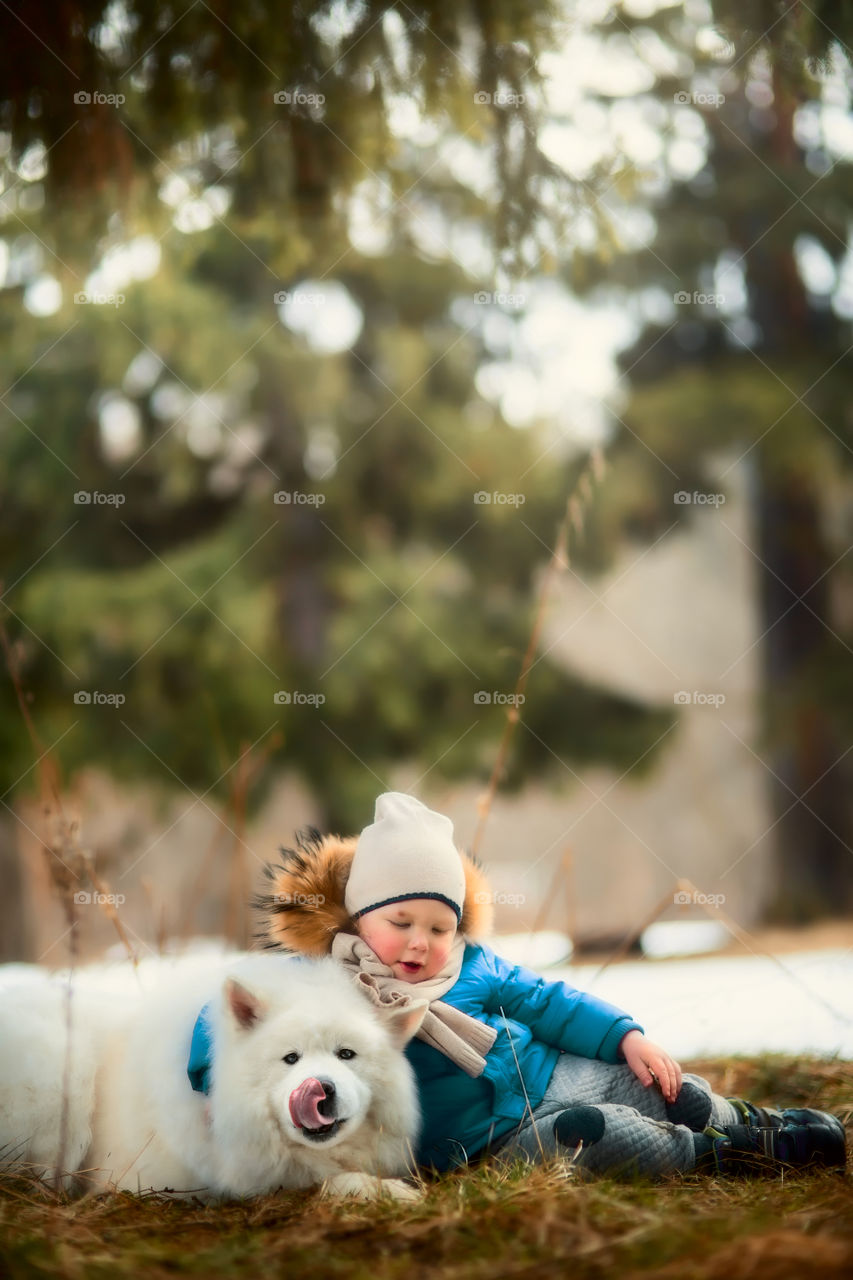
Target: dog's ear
(245, 1007)
(403, 1023)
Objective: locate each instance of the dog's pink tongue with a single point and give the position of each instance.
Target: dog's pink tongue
(304, 1105)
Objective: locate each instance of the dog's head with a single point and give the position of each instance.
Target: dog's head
(315, 1050)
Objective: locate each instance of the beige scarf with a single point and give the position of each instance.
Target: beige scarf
(455, 1034)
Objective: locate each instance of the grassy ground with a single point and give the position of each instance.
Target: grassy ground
(533, 1223)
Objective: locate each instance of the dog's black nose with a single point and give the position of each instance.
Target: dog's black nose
(327, 1106)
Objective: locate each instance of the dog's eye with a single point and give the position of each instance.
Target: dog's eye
(346, 1054)
(290, 1058)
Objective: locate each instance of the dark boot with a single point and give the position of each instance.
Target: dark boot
(754, 1149)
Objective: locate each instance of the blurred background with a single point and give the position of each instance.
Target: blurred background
(324, 325)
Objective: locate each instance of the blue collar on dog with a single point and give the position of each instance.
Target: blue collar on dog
(201, 1052)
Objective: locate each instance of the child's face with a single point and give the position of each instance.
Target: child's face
(412, 937)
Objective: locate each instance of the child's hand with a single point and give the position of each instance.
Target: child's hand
(649, 1062)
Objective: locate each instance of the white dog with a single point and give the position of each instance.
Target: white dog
(308, 1084)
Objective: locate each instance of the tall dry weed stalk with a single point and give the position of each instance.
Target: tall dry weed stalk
(71, 870)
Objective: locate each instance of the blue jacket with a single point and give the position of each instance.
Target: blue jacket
(535, 1021)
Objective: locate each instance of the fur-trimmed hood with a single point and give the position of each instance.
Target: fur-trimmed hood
(304, 908)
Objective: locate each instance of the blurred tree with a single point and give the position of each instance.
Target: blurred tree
(200, 199)
(744, 306)
(226, 349)
(377, 580)
(270, 106)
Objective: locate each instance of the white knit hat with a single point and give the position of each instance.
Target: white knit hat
(406, 852)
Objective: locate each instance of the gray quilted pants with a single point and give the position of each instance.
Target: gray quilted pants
(638, 1137)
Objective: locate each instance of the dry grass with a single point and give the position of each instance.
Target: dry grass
(482, 1223)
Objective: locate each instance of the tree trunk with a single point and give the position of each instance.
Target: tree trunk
(814, 865)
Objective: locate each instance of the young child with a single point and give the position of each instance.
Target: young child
(505, 1061)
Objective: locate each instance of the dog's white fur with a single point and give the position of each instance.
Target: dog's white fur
(133, 1121)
